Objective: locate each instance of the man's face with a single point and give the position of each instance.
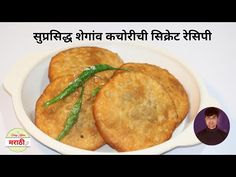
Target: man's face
(211, 121)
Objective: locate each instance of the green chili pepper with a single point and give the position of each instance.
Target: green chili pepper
(78, 82)
(73, 116)
(96, 90)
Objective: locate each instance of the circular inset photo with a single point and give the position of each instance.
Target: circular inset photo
(211, 126)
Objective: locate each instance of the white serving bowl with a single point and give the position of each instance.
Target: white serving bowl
(29, 77)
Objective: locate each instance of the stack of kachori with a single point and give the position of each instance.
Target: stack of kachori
(136, 108)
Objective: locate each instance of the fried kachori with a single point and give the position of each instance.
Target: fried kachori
(51, 120)
(133, 111)
(74, 60)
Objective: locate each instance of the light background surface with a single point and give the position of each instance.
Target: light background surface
(214, 61)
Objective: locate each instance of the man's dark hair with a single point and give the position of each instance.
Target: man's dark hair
(211, 111)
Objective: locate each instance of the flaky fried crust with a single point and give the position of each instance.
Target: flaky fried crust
(133, 111)
(74, 60)
(168, 81)
(51, 120)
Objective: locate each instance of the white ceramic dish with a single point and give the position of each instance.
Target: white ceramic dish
(28, 78)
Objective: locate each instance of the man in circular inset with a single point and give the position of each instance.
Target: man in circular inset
(211, 135)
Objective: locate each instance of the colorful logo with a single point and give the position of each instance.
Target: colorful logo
(17, 140)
